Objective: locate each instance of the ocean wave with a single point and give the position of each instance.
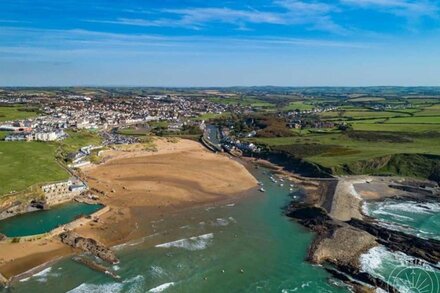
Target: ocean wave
(223, 222)
(116, 268)
(134, 242)
(412, 207)
(372, 260)
(192, 243)
(379, 257)
(161, 288)
(353, 192)
(157, 271)
(383, 212)
(134, 284)
(42, 275)
(104, 288)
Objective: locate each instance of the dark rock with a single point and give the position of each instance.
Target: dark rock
(89, 245)
(426, 249)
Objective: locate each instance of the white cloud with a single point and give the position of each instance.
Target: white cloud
(404, 8)
(312, 15)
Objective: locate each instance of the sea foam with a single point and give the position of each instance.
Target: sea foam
(161, 288)
(134, 284)
(193, 243)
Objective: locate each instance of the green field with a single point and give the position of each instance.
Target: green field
(364, 114)
(208, 116)
(298, 105)
(78, 139)
(134, 131)
(416, 128)
(367, 99)
(23, 164)
(429, 111)
(244, 101)
(16, 113)
(415, 120)
(334, 149)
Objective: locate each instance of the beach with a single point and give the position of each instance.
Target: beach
(137, 185)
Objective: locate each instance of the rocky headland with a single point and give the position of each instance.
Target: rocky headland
(344, 233)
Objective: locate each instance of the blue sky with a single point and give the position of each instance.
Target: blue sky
(219, 43)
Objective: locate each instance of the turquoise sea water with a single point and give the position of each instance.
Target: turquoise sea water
(243, 245)
(404, 272)
(246, 245)
(44, 221)
(418, 218)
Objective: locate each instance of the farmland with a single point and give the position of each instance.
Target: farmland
(375, 134)
(26, 163)
(8, 113)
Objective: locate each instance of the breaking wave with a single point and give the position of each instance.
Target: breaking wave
(42, 275)
(390, 207)
(193, 243)
(161, 288)
(134, 284)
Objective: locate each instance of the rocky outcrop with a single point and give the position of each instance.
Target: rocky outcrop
(96, 267)
(338, 245)
(89, 245)
(426, 249)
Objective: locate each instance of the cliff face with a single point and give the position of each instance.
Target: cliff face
(410, 165)
(295, 165)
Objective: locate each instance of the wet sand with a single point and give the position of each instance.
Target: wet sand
(139, 186)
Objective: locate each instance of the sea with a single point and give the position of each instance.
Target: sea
(404, 272)
(242, 245)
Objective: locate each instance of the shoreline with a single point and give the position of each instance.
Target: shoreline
(332, 209)
(344, 225)
(127, 211)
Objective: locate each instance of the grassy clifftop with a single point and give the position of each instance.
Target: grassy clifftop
(364, 152)
(410, 165)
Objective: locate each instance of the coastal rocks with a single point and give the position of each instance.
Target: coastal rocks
(426, 249)
(2, 236)
(335, 247)
(338, 246)
(89, 245)
(96, 267)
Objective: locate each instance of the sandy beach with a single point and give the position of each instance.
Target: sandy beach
(140, 185)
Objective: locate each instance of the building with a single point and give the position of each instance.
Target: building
(60, 192)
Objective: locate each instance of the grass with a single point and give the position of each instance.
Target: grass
(244, 101)
(208, 116)
(347, 115)
(416, 120)
(23, 164)
(367, 99)
(79, 139)
(3, 134)
(134, 131)
(415, 128)
(298, 105)
(334, 149)
(429, 111)
(16, 113)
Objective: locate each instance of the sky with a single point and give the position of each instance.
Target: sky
(219, 43)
